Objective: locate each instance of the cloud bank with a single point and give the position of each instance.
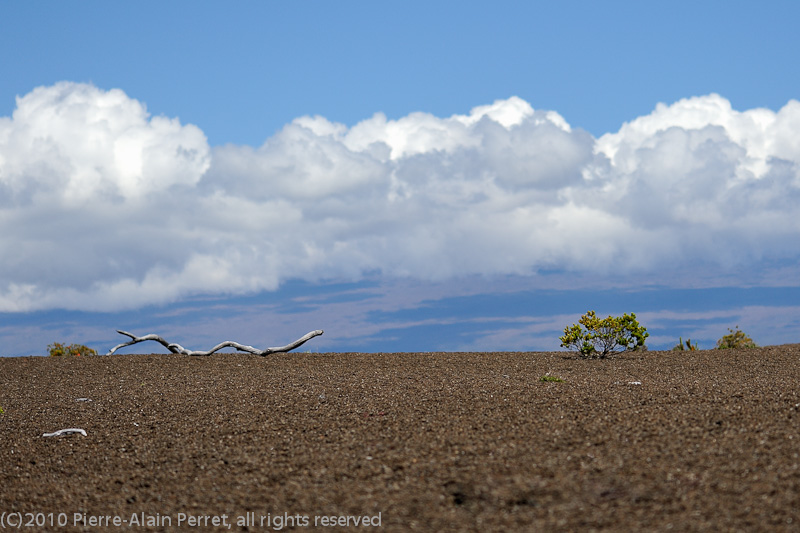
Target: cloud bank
(104, 207)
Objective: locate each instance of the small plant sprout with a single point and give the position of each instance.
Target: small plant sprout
(735, 339)
(598, 338)
(547, 378)
(683, 346)
(1, 411)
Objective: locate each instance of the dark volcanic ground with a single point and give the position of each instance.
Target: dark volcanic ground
(688, 441)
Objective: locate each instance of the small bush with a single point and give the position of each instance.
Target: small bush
(682, 346)
(58, 350)
(1, 411)
(735, 339)
(551, 379)
(593, 337)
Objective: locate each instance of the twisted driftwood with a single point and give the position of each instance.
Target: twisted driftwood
(177, 348)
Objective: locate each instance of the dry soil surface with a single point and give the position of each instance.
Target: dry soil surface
(688, 441)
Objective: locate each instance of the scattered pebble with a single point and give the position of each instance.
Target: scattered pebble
(83, 399)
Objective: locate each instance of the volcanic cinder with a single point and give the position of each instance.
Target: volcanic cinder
(692, 441)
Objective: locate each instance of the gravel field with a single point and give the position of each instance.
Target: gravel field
(653, 441)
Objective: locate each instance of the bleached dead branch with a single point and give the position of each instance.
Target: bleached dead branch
(68, 431)
(177, 348)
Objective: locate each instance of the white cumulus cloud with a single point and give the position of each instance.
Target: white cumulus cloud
(103, 206)
(79, 143)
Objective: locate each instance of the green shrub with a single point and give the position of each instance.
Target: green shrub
(57, 350)
(593, 337)
(735, 339)
(551, 379)
(1, 411)
(681, 346)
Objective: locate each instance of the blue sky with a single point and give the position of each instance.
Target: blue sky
(405, 175)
